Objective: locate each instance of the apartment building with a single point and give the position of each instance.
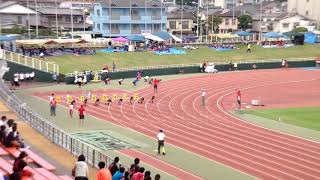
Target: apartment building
(307, 8)
(128, 17)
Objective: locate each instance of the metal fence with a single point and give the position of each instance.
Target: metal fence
(194, 65)
(29, 61)
(50, 131)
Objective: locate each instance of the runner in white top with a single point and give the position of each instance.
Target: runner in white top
(21, 76)
(161, 137)
(32, 75)
(51, 97)
(71, 107)
(203, 97)
(27, 76)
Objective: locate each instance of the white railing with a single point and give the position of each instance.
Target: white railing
(29, 61)
(194, 65)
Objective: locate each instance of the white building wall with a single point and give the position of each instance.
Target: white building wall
(308, 8)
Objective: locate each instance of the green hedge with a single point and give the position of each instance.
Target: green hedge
(40, 76)
(196, 69)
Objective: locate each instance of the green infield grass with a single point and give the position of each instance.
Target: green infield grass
(307, 117)
(70, 63)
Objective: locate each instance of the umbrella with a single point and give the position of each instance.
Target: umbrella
(120, 39)
(243, 33)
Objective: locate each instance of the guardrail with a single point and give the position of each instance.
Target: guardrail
(29, 61)
(50, 131)
(192, 65)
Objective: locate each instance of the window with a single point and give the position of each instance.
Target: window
(227, 21)
(307, 13)
(98, 12)
(173, 25)
(68, 18)
(19, 19)
(285, 25)
(98, 27)
(185, 24)
(233, 21)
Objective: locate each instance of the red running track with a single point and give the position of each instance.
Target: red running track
(215, 134)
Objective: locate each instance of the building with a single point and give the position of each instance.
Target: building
(308, 8)
(180, 22)
(230, 4)
(229, 21)
(12, 14)
(122, 18)
(169, 2)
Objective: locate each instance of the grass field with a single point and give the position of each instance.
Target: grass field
(70, 63)
(304, 117)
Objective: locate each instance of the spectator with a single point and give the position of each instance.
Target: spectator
(161, 137)
(18, 168)
(135, 167)
(114, 167)
(9, 125)
(147, 175)
(138, 175)
(120, 81)
(157, 177)
(2, 134)
(13, 139)
(103, 173)
(119, 174)
(81, 170)
(126, 175)
(254, 67)
(3, 120)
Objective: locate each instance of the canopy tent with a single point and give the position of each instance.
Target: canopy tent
(177, 39)
(189, 38)
(243, 33)
(70, 41)
(272, 35)
(224, 36)
(120, 39)
(292, 33)
(36, 42)
(310, 38)
(163, 35)
(136, 38)
(152, 37)
(7, 38)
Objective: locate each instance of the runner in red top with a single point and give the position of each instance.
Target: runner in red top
(155, 85)
(239, 98)
(53, 105)
(81, 114)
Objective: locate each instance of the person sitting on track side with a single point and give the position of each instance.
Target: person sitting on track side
(120, 101)
(97, 102)
(131, 100)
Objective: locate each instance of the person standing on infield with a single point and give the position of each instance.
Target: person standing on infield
(53, 105)
(203, 98)
(81, 114)
(239, 98)
(161, 137)
(155, 85)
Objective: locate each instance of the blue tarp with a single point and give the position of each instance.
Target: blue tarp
(136, 38)
(310, 38)
(170, 51)
(273, 35)
(243, 33)
(7, 38)
(163, 35)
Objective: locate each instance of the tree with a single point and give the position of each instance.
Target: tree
(300, 30)
(244, 22)
(214, 22)
(16, 29)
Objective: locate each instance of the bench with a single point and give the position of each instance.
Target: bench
(6, 166)
(65, 177)
(48, 174)
(35, 175)
(38, 160)
(15, 153)
(3, 152)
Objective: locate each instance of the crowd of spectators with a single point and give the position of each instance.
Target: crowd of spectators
(115, 171)
(42, 51)
(10, 137)
(224, 46)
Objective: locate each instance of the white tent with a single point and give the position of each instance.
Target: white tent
(175, 38)
(152, 37)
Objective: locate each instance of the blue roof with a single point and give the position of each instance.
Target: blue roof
(7, 38)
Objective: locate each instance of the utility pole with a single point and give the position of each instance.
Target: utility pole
(181, 19)
(57, 26)
(260, 21)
